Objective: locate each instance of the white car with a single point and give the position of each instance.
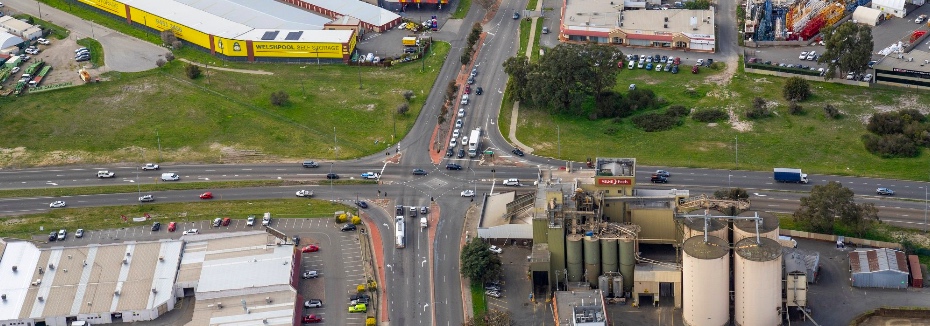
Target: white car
(658, 67)
(458, 123)
(14, 70)
(511, 182)
(461, 113)
(455, 133)
(304, 193)
(464, 99)
(700, 62)
(453, 143)
(147, 198)
(150, 166)
(468, 193)
(671, 60)
(57, 204)
(812, 56)
(464, 140)
(250, 221)
(43, 41)
(867, 78)
(496, 250)
(191, 231)
(803, 55)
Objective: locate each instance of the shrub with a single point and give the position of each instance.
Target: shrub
(341, 218)
(912, 115)
(796, 89)
(403, 108)
(160, 62)
(466, 56)
(177, 45)
(193, 71)
(641, 99)
(678, 111)
(889, 146)
(886, 123)
(279, 98)
(710, 115)
(758, 109)
(408, 94)
(356, 220)
(731, 193)
(169, 56)
(167, 37)
(655, 122)
(795, 109)
(830, 111)
(610, 131)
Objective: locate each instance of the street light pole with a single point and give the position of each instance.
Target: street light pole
(331, 182)
(559, 138)
(159, 145)
(335, 143)
(925, 208)
(737, 152)
(138, 187)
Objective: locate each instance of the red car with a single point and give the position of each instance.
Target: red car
(310, 248)
(172, 226)
(225, 221)
(206, 195)
(309, 319)
(467, 89)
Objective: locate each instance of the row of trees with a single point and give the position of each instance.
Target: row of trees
(472, 40)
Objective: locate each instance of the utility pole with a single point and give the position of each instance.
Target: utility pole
(925, 208)
(40, 8)
(737, 152)
(559, 137)
(159, 145)
(138, 187)
(335, 143)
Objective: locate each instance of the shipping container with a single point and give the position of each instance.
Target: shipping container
(917, 276)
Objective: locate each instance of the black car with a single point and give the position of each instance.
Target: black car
(296, 239)
(516, 15)
(399, 210)
(361, 204)
(82, 58)
(419, 172)
(658, 179)
(410, 49)
(359, 296)
(461, 152)
(450, 152)
(453, 166)
(635, 57)
(348, 227)
(156, 226)
(52, 236)
(332, 176)
(479, 91)
(517, 152)
(664, 59)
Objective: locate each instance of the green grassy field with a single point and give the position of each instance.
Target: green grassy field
(220, 117)
(811, 141)
(98, 218)
(478, 302)
(534, 55)
(96, 50)
(531, 5)
(524, 35)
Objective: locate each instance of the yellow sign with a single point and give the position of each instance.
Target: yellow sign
(302, 50)
(110, 6)
(161, 24)
(230, 47)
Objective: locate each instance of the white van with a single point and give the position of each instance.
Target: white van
(105, 174)
(170, 177)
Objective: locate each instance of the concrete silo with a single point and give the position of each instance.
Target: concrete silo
(695, 226)
(592, 258)
(609, 256)
(757, 282)
(574, 257)
(627, 262)
(705, 281)
(747, 228)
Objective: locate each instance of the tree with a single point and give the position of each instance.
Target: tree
(279, 98)
(832, 203)
(848, 48)
(403, 108)
(408, 94)
(796, 89)
(192, 70)
(569, 74)
(518, 68)
(831, 111)
(478, 263)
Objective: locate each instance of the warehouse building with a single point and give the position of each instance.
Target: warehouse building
(895, 8)
(608, 22)
(262, 291)
(868, 16)
(878, 268)
(20, 28)
(370, 17)
(99, 284)
(248, 30)
(911, 70)
(9, 43)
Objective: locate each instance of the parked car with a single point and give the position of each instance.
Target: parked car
(312, 319)
(545, 30)
(461, 113)
(250, 221)
(450, 152)
(332, 176)
(419, 172)
(453, 166)
(150, 166)
(517, 152)
(57, 204)
(694, 69)
(206, 195)
(226, 221)
(313, 303)
(53, 236)
(46, 42)
(468, 193)
(424, 210)
(349, 227)
(885, 191)
(191, 231)
(458, 123)
(493, 294)
(811, 56)
(147, 198)
(217, 221)
(172, 226)
(310, 274)
(496, 250)
(79, 233)
(516, 15)
(461, 153)
(803, 55)
(675, 69)
(649, 66)
(362, 204)
(471, 80)
(14, 70)
(156, 226)
(453, 142)
(361, 307)
(62, 234)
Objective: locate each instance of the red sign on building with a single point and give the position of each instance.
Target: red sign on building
(614, 181)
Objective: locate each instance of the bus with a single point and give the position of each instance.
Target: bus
(473, 140)
(399, 233)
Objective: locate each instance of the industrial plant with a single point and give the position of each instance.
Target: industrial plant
(728, 263)
(780, 20)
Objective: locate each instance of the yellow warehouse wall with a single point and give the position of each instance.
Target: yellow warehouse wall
(230, 47)
(298, 50)
(160, 24)
(110, 6)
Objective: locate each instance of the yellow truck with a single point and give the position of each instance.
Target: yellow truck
(411, 41)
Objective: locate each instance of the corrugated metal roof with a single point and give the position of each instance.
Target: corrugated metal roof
(268, 14)
(877, 260)
(895, 4)
(363, 11)
(508, 231)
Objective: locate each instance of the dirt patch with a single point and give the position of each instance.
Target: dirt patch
(727, 75)
(741, 126)
(904, 102)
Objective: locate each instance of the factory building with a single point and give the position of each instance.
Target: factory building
(610, 22)
(878, 268)
(911, 70)
(579, 307)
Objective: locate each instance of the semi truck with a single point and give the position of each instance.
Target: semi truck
(790, 175)
(473, 140)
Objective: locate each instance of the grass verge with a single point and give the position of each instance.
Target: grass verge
(534, 54)
(55, 31)
(462, 9)
(478, 303)
(525, 25)
(166, 186)
(918, 241)
(220, 117)
(531, 5)
(99, 218)
(96, 50)
(811, 141)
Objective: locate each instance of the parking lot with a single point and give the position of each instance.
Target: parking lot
(338, 262)
(516, 290)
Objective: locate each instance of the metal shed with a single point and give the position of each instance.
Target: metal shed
(878, 268)
(866, 15)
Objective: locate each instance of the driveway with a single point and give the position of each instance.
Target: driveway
(122, 53)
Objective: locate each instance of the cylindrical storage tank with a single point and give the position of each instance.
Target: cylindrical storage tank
(627, 262)
(574, 257)
(747, 228)
(603, 284)
(617, 286)
(592, 258)
(706, 281)
(695, 226)
(757, 282)
(609, 256)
